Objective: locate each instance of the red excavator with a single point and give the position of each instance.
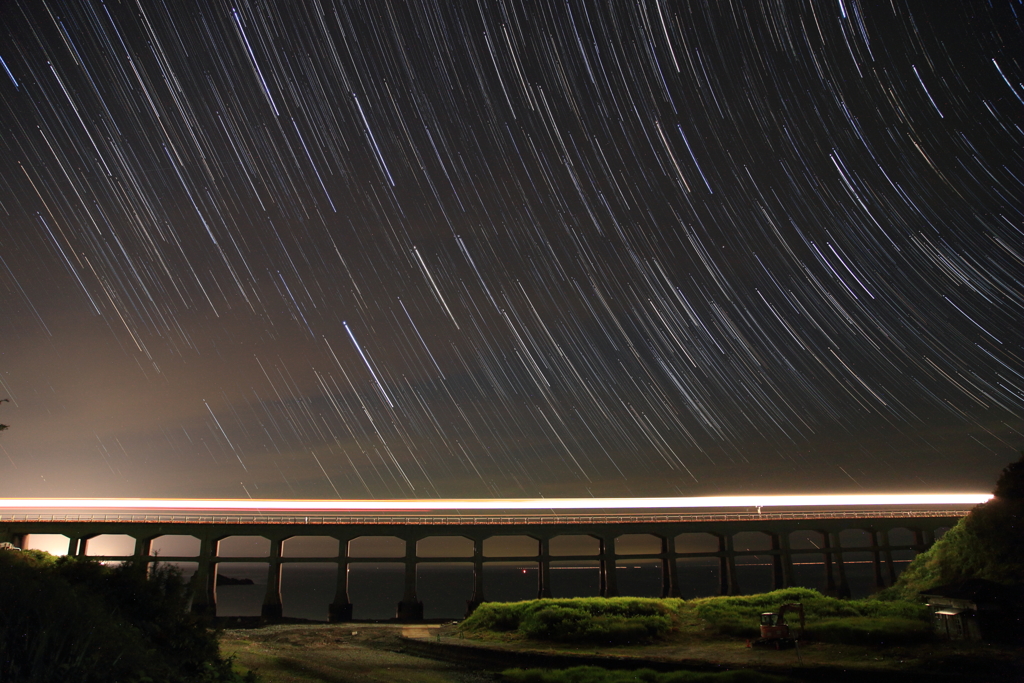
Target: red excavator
(774, 629)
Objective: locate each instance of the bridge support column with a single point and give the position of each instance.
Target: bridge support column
(410, 608)
(669, 568)
(609, 581)
(272, 605)
(890, 568)
(830, 578)
(723, 568)
(876, 560)
(143, 549)
(204, 581)
(778, 576)
(843, 588)
(76, 546)
(786, 560)
(732, 584)
(544, 573)
(478, 576)
(341, 608)
(14, 538)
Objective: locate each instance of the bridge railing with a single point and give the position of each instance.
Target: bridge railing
(501, 520)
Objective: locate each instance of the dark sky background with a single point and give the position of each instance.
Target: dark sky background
(457, 249)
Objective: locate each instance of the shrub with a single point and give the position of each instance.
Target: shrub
(556, 623)
(603, 620)
(73, 620)
(740, 615)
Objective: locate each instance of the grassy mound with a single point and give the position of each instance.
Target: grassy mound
(597, 620)
(620, 621)
(828, 619)
(76, 621)
(593, 674)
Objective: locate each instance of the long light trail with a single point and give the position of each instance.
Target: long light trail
(467, 504)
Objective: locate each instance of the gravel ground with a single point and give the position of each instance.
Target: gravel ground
(339, 653)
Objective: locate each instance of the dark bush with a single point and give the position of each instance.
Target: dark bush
(599, 620)
(76, 621)
(556, 623)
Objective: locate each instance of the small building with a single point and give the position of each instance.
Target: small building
(976, 609)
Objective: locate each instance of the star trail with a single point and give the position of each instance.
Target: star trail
(392, 250)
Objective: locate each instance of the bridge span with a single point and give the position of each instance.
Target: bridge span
(730, 538)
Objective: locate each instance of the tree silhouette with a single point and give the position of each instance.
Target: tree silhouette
(1011, 484)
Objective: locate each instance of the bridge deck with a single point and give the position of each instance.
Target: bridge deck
(518, 519)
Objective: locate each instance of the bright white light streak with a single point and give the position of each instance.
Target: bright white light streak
(437, 290)
(465, 504)
(368, 366)
(15, 82)
(252, 57)
(225, 436)
(369, 131)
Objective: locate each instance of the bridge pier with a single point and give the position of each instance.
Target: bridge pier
(410, 608)
(609, 580)
(876, 560)
(889, 567)
(784, 560)
(544, 569)
(478, 576)
(272, 605)
(669, 567)
(340, 609)
(204, 581)
(732, 580)
(843, 587)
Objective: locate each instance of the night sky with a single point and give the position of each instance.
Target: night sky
(476, 249)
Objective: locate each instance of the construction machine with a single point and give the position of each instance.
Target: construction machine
(775, 631)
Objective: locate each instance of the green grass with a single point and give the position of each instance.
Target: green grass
(623, 621)
(596, 620)
(828, 619)
(593, 674)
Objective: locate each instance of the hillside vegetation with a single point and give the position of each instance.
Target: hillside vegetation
(986, 544)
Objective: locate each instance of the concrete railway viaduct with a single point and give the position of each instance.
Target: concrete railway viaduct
(887, 536)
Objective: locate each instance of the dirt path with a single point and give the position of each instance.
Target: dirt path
(339, 653)
(351, 653)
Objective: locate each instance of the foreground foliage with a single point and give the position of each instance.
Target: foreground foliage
(76, 621)
(986, 544)
(623, 621)
(593, 674)
(829, 620)
(597, 620)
